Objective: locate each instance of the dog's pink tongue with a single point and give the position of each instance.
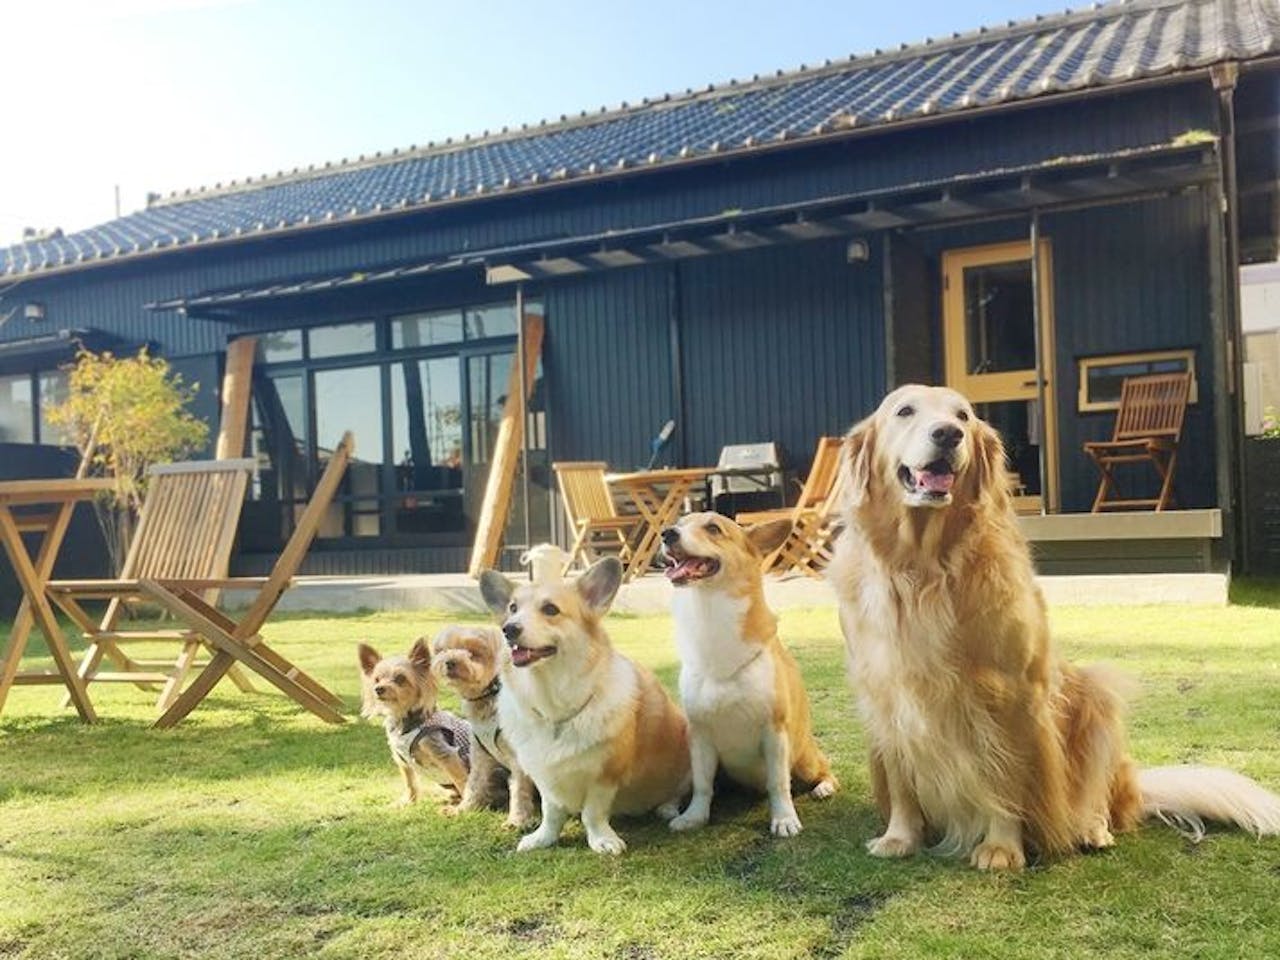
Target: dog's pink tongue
(935, 482)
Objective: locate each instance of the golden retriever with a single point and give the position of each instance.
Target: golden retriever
(981, 737)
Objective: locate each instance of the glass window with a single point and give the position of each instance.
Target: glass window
(351, 399)
(495, 320)
(426, 329)
(999, 318)
(347, 338)
(426, 432)
(279, 346)
(17, 423)
(1101, 378)
(55, 385)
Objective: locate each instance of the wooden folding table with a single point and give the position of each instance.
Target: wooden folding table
(658, 496)
(55, 500)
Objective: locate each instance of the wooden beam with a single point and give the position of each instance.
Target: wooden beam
(236, 387)
(506, 454)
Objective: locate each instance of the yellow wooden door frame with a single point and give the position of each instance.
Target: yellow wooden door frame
(1009, 384)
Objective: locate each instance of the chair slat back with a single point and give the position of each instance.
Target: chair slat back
(585, 492)
(188, 522)
(1153, 406)
(304, 532)
(820, 483)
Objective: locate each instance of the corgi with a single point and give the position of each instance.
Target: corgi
(740, 687)
(423, 739)
(469, 659)
(597, 732)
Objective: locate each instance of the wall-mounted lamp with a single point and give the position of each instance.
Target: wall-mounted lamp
(33, 312)
(858, 251)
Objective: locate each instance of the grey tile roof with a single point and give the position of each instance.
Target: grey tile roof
(1104, 45)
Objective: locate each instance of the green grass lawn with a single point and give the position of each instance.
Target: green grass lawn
(254, 830)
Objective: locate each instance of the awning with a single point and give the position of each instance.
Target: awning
(57, 347)
(1058, 184)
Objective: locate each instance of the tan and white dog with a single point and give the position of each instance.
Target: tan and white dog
(740, 687)
(596, 731)
(469, 659)
(983, 739)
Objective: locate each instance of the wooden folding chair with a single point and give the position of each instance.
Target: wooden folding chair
(593, 516)
(812, 517)
(186, 529)
(236, 639)
(1148, 428)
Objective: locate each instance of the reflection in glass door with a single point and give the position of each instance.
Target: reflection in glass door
(990, 345)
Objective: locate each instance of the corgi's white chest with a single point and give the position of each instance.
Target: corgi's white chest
(563, 749)
(726, 683)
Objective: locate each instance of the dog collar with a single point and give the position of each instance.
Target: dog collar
(413, 720)
(490, 691)
(560, 724)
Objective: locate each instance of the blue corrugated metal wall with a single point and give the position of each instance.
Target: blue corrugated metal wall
(608, 365)
(1130, 279)
(783, 344)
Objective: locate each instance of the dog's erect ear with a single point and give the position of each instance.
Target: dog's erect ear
(768, 537)
(420, 655)
(600, 584)
(990, 468)
(857, 457)
(369, 657)
(496, 590)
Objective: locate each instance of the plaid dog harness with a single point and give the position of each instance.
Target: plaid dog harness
(440, 732)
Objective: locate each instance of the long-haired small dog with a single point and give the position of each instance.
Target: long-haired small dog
(595, 730)
(469, 659)
(982, 737)
(423, 739)
(740, 687)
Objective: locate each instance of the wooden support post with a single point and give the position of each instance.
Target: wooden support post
(237, 385)
(506, 453)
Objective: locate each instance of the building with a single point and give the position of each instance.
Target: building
(757, 260)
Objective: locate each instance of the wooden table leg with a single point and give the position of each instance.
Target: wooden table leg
(32, 577)
(659, 512)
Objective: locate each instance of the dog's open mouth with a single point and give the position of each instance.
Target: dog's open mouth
(933, 481)
(683, 568)
(523, 656)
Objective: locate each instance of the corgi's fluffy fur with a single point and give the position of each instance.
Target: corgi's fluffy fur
(469, 659)
(740, 687)
(982, 738)
(423, 739)
(596, 731)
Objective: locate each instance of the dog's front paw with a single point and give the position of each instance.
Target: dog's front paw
(785, 824)
(997, 856)
(404, 800)
(668, 811)
(609, 843)
(518, 821)
(892, 846)
(538, 840)
(689, 820)
(451, 809)
(824, 789)
(1098, 837)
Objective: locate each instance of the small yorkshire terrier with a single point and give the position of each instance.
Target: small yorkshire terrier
(423, 739)
(469, 659)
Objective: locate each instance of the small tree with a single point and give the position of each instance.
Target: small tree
(125, 414)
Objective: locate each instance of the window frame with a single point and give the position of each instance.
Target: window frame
(1084, 404)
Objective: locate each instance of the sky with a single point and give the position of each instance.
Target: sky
(158, 95)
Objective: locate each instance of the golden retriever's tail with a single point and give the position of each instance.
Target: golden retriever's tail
(1184, 797)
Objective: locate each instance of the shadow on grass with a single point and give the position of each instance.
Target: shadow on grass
(1256, 592)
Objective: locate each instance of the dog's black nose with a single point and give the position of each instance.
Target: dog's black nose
(380, 690)
(670, 536)
(946, 435)
(512, 630)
